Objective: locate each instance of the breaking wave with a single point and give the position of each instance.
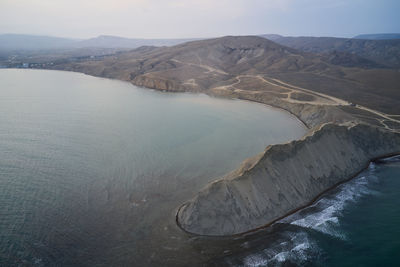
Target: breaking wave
(323, 217)
(297, 248)
(326, 212)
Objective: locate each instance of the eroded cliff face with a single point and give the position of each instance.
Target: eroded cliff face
(284, 178)
(157, 83)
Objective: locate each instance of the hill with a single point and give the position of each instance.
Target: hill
(248, 65)
(33, 42)
(17, 42)
(106, 41)
(383, 52)
(378, 36)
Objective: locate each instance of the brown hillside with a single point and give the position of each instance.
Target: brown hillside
(249, 63)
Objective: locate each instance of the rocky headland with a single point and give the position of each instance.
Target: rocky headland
(285, 178)
(343, 138)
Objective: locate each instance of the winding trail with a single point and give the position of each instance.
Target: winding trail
(338, 101)
(208, 68)
(319, 98)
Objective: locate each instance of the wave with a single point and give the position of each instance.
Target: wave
(297, 246)
(326, 212)
(393, 159)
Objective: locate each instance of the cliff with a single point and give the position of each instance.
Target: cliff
(285, 178)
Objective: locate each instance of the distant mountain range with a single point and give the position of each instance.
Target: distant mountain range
(107, 41)
(15, 42)
(384, 52)
(34, 42)
(379, 36)
(369, 51)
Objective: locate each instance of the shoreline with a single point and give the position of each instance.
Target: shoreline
(207, 93)
(312, 202)
(281, 108)
(319, 121)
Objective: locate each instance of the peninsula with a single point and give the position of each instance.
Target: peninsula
(351, 107)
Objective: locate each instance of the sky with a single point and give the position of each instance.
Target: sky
(201, 18)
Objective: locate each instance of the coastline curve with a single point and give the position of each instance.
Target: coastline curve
(315, 116)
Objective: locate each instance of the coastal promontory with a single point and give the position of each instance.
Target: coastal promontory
(352, 120)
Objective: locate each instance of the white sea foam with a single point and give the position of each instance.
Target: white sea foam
(297, 249)
(329, 208)
(255, 261)
(323, 216)
(391, 159)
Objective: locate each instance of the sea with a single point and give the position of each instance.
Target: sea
(355, 224)
(92, 172)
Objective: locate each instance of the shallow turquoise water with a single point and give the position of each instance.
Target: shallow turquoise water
(92, 170)
(356, 224)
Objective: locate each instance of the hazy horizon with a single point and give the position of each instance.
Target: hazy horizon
(199, 37)
(157, 19)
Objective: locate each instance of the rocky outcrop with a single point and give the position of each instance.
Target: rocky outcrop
(285, 178)
(157, 83)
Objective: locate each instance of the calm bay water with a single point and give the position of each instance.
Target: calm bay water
(92, 170)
